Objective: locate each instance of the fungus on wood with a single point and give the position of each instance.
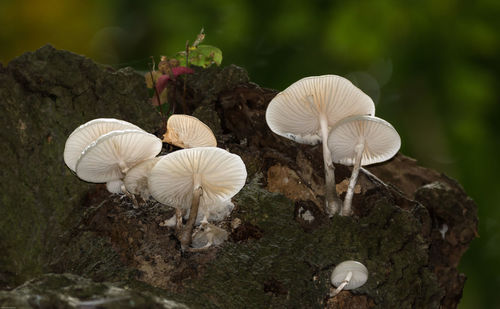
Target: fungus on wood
(305, 112)
(196, 178)
(110, 157)
(358, 141)
(88, 132)
(187, 132)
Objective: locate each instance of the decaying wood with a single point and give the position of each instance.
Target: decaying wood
(281, 250)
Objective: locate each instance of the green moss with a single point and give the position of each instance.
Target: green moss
(45, 95)
(289, 267)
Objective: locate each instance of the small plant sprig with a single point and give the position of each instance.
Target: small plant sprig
(170, 68)
(198, 54)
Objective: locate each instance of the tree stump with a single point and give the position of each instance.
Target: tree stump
(281, 251)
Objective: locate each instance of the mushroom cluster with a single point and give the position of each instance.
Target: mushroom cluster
(201, 176)
(330, 110)
(103, 150)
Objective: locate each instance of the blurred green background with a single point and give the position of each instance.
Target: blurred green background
(431, 66)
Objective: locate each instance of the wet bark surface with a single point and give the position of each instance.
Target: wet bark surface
(410, 233)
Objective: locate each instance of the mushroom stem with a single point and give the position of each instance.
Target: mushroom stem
(130, 195)
(333, 203)
(178, 216)
(123, 167)
(373, 177)
(347, 209)
(343, 284)
(193, 213)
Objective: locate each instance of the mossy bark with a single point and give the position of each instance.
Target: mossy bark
(281, 248)
(44, 96)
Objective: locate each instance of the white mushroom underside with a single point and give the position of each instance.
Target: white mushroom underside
(294, 113)
(220, 174)
(105, 159)
(188, 132)
(359, 274)
(382, 141)
(85, 134)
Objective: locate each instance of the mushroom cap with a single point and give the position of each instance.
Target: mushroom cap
(174, 178)
(359, 274)
(381, 140)
(136, 179)
(188, 132)
(295, 112)
(111, 155)
(85, 134)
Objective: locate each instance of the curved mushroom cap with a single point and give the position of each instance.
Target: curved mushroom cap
(136, 179)
(188, 132)
(174, 178)
(381, 140)
(85, 134)
(295, 112)
(113, 154)
(359, 274)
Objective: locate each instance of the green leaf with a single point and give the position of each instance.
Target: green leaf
(202, 56)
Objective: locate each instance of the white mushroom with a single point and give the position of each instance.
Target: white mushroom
(85, 134)
(196, 177)
(348, 275)
(361, 140)
(209, 235)
(108, 158)
(306, 110)
(188, 132)
(136, 179)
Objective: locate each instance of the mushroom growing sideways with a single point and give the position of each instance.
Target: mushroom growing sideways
(108, 158)
(305, 112)
(88, 132)
(188, 132)
(196, 178)
(348, 275)
(361, 140)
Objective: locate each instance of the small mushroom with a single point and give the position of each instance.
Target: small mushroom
(207, 236)
(305, 111)
(188, 132)
(361, 140)
(136, 179)
(108, 158)
(85, 134)
(196, 177)
(348, 275)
